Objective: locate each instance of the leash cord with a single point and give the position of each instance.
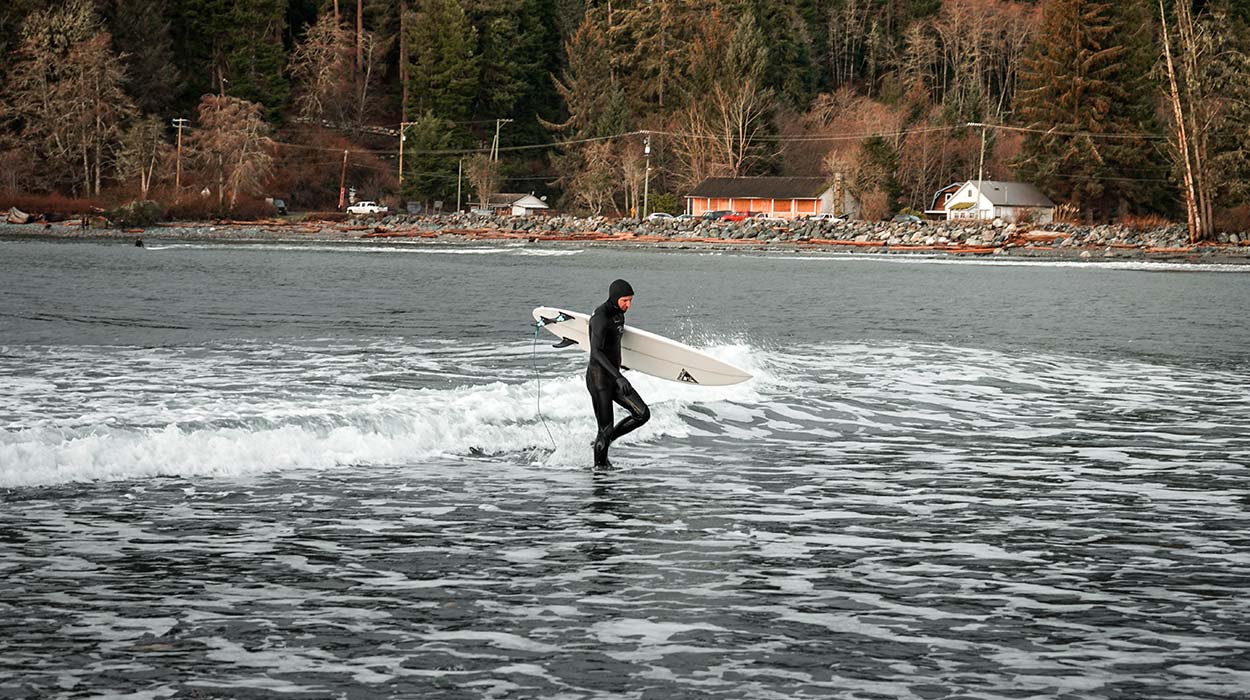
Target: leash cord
(538, 398)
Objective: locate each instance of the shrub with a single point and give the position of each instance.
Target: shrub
(140, 213)
(1027, 216)
(1234, 220)
(1144, 222)
(1067, 214)
(874, 205)
(665, 202)
(47, 203)
(197, 208)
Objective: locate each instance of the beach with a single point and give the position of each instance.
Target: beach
(1047, 242)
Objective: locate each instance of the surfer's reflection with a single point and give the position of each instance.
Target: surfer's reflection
(605, 515)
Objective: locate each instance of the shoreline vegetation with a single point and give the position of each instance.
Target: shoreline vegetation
(1058, 241)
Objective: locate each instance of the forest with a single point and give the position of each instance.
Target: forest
(1132, 108)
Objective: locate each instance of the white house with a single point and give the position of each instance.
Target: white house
(515, 203)
(987, 200)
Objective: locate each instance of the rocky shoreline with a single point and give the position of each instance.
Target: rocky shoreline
(1066, 241)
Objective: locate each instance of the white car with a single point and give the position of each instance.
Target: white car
(366, 208)
(659, 216)
(825, 216)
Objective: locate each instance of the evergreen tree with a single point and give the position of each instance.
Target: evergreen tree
(429, 170)
(141, 34)
(442, 60)
(201, 31)
(595, 105)
(1085, 106)
(256, 56)
(12, 14)
(790, 70)
(594, 101)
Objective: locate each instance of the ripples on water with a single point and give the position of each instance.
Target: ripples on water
(366, 518)
(862, 521)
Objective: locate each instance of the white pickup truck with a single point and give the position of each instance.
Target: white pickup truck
(366, 208)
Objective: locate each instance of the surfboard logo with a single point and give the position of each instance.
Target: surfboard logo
(685, 377)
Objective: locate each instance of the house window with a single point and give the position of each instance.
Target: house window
(805, 206)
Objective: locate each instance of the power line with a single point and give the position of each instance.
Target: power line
(1056, 132)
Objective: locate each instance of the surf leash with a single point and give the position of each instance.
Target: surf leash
(538, 398)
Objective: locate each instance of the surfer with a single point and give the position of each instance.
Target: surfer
(603, 376)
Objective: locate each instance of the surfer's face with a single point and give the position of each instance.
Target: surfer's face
(625, 302)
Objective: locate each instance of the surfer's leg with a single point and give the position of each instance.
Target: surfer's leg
(639, 414)
(602, 401)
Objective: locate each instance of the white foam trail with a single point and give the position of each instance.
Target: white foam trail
(999, 261)
(228, 431)
(418, 248)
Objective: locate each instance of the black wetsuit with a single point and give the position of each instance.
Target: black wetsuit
(603, 376)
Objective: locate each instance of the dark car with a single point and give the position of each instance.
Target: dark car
(715, 214)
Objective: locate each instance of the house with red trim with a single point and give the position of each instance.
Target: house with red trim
(937, 207)
(786, 197)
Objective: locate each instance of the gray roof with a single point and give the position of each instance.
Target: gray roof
(762, 187)
(504, 199)
(1012, 194)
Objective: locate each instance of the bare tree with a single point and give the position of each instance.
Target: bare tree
(322, 70)
(93, 105)
(232, 146)
(142, 154)
(723, 133)
(483, 174)
(595, 183)
(64, 93)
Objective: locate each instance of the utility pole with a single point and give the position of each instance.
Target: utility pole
(646, 178)
(494, 148)
(459, 175)
(402, 138)
(980, 167)
(343, 180)
(179, 123)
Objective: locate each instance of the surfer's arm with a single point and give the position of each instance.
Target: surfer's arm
(598, 332)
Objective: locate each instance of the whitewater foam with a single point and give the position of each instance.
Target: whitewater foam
(418, 248)
(243, 422)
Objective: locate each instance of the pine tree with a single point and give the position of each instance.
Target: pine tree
(789, 70)
(256, 56)
(12, 14)
(594, 100)
(442, 61)
(1083, 102)
(201, 31)
(595, 105)
(429, 170)
(141, 33)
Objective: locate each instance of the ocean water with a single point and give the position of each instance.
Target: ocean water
(343, 471)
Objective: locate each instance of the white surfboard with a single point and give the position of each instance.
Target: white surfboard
(646, 352)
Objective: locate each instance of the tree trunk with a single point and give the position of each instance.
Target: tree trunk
(1191, 205)
(403, 61)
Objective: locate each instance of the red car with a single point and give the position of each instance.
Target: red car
(736, 216)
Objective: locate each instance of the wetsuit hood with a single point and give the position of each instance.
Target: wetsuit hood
(618, 289)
